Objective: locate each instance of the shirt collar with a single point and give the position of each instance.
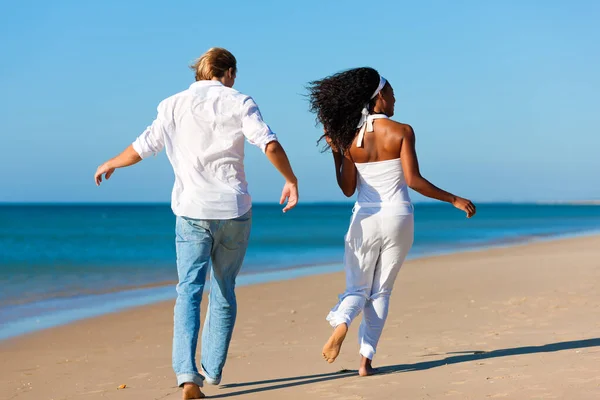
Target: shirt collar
(205, 83)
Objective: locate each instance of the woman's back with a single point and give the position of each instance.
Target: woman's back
(376, 156)
(381, 182)
(383, 143)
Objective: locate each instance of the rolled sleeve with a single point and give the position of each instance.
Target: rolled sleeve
(256, 131)
(152, 140)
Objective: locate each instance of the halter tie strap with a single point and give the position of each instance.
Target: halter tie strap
(366, 121)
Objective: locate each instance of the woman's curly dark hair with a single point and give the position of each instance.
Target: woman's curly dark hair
(338, 101)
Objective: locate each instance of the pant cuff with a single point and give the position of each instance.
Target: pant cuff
(209, 379)
(335, 320)
(190, 378)
(367, 351)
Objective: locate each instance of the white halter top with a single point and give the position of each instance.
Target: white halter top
(381, 184)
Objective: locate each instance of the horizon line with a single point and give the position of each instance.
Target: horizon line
(264, 203)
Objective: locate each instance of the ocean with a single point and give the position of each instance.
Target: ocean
(60, 263)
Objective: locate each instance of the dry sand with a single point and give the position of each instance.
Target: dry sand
(512, 323)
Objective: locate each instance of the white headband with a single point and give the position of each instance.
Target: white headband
(366, 123)
(382, 83)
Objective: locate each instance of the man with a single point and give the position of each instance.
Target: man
(202, 130)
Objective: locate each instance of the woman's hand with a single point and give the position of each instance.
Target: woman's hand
(465, 205)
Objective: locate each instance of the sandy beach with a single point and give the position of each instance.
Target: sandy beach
(520, 322)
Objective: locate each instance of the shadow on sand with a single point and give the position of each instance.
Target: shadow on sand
(454, 358)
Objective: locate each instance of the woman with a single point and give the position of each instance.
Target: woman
(377, 156)
(202, 130)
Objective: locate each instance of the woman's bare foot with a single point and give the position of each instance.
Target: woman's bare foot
(365, 367)
(332, 348)
(192, 391)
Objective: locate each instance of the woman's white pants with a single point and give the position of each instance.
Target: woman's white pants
(376, 246)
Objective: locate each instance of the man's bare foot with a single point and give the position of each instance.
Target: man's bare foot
(192, 391)
(333, 346)
(365, 367)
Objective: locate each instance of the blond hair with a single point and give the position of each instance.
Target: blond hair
(213, 64)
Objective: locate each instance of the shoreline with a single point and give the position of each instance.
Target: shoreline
(518, 322)
(37, 318)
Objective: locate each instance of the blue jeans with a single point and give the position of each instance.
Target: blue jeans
(223, 242)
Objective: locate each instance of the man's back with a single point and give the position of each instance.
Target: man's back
(202, 130)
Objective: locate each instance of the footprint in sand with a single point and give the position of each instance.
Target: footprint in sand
(462, 371)
(93, 392)
(139, 376)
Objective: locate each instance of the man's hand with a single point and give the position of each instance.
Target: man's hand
(128, 157)
(106, 170)
(289, 192)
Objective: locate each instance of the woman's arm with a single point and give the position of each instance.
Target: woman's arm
(345, 170)
(410, 165)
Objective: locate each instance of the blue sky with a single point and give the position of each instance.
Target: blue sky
(504, 96)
